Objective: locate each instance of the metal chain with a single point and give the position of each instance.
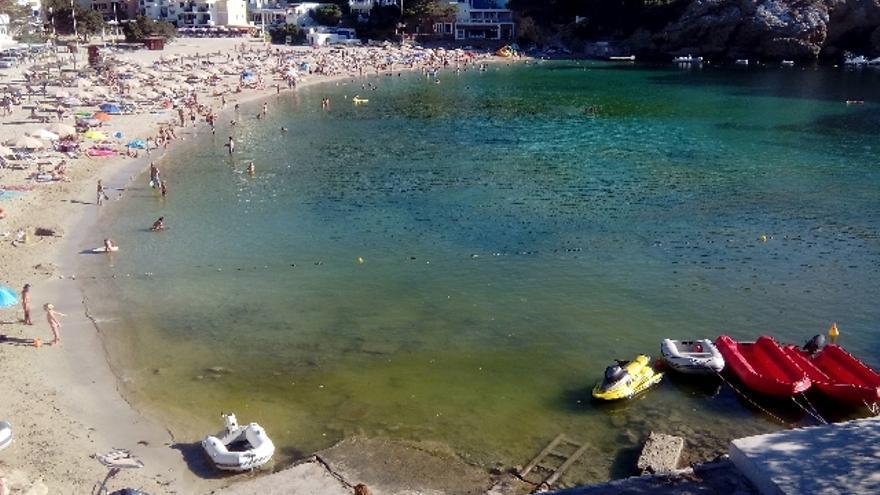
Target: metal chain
(759, 406)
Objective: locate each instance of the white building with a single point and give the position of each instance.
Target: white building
(320, 36)
(298, 14)
(301, 14)
(5, 38)
(34, 5)
(363, 7)
(196, 13)
(479, 20)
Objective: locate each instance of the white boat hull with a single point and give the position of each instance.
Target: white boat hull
(260, 452)
(698, 357)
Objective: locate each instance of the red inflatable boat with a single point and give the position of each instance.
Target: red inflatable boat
(763, 366)
(838, 374)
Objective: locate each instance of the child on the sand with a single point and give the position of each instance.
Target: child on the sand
(54, 324)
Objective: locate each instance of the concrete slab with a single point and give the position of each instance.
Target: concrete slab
(308, 478)
(718, 477)
(397, 468)
(829, 459)
(660, 453)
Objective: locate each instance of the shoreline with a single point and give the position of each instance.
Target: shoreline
(76, 384)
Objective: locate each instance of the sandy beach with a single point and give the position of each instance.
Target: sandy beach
(63, 400)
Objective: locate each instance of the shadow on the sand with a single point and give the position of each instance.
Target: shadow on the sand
(197, 461)
(5, 339)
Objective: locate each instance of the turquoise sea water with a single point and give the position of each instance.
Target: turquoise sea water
(513, 245)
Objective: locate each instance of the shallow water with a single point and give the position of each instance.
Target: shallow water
(512, 244)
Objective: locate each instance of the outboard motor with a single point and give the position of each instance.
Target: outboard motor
(231, 421)
(813, 345)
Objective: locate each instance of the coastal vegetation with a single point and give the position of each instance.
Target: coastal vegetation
(770, 30)
(143, 27)
(61, 16)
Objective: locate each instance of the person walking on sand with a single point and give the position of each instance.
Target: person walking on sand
(102, 195)
(26, 303)
(54, 324)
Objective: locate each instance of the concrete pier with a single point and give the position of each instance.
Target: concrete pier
(829, 459)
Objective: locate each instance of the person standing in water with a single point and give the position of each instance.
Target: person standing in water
(158, 224)
(26, 303)
(231, 145)
(251, 169)
(102, 195)
(54, 324)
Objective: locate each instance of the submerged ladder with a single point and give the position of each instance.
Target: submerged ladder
(552, 462)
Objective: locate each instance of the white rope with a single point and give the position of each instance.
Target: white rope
(811, 411)
(746, 397)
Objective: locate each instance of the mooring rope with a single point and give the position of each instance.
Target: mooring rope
(759, 406)
(812, 409)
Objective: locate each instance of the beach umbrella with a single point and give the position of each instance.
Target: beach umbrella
(7, 297)
(63, 130)
(4, 151)
(109, 108)
(102, 116)
(94, 135)
(26, 142)
(44, 134)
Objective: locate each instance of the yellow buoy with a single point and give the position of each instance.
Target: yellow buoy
(360, 260)
(763, 238)
(833, 332)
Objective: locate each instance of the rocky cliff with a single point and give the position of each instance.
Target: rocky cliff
(769, 29)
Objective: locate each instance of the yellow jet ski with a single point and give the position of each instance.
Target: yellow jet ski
(626, 379)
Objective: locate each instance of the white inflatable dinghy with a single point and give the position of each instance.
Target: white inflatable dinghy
(692, 356)
(5, 434)
(239, 448)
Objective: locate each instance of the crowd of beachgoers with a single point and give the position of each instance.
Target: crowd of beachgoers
(68, 125)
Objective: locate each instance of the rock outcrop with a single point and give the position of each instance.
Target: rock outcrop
(770, 29)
